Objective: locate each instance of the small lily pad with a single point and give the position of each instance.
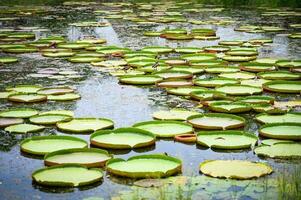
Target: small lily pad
(240, 90)
(63, 97)
(49, 119)
(24, 128)
(5, 121)
(19, 113)
(285, 131)
(283, 150)
(27, 98)
(281, 118)
(283, 86)
(140, 79)
(174, 114)
(232, 107)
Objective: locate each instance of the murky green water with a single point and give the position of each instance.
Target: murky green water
(102, 96)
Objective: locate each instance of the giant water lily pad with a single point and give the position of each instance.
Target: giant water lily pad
(63, 97)
(48, 119)
(83, 125)
(283, 86)
(67, 175)
(286, 131)
(184, 91)
(27, 98)
(281, 118)
(41, 145)
(8, 59)
(239, 58)
(213, 82)
(256, 67)
(232, 107)
(279, 75)
(55, 90)
(226, 139)
(84, 59)
(174, 83)
(89, 157)
(140, 79)
(257, 99)
(24, 128)
(280, 149)
(207, 95)
(145, 166)
(24, 88)
(199, 57)
(289, 63)
(234, 169)
(240, 90)
(254, 82)
(173, 74)
(238, 75)
(6, 121)
(221, 69)
(157, 49)
(165, 128)
(58, 112)
(174, 114)
(123, 138)
(216, 121)
(19, 113)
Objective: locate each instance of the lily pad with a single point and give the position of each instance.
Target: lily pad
(83, 125)
(49, 119)
(174, 83)
(174, 114)
(55, 90)
(8, 60)
(283, 150)
(167, 74)
(157, 49)
(41, 145)
(24, 128)
(123, 138)
(240, 90)
(234, 169)
(207, 95)
(283, 86)
(63, 97)
(233, 107)
(256, 67)
(58, 112)
(289, 63)
(221, 69)
(140, 79)
(257, 99)
(145, 166)
(238, 75)
(286, 131)
(254, 82)
(226, 139)
(279, 75)
(88, 157)
(184, 91)
(19, 113)
(67, 175)
(282, 118)
(165, 128)
(24, 88)
(5, 121)
(213, 82)
(216, 121)
(27, 98)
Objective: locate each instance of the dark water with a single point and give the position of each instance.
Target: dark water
(102, 96)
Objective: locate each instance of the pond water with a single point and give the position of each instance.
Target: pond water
(103, 96)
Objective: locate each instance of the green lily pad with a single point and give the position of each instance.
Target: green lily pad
(199, 57)
(88, 157)
(266, 60)
(188, 50)
(256, 67)
(254, 82)
(63, 97)
(49, 119)
(123, 138)
(41, 145)
(234, 169)
(174, 114)
(232, 107)
(216, 121)
(27, 98)
(231, 43)
(140, 79)
(283, 86)
(58, 54)
(191, 69)
(74, 46)
(221, 69)
(8, 60)
(24, 88)
(289, 63)
(145, 166)
(239, 58)
(238, 75)
(55, 90)
(83, 125)
(165, 128)
(6, 121)
(174, 83)
(207, 95)
(279, 75)
(283, 150)
(257, 99)
(240, 90)
(19, 113)
(58, 112)
(213, 82)
(20, 50)
(286, 131)
(24, 128)
(4, 95)
(157, 49)
(84, 59)
(184, 91)
(167, 74)
(282, 118)
(67, 175)
(226, 139)
(217, 49)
